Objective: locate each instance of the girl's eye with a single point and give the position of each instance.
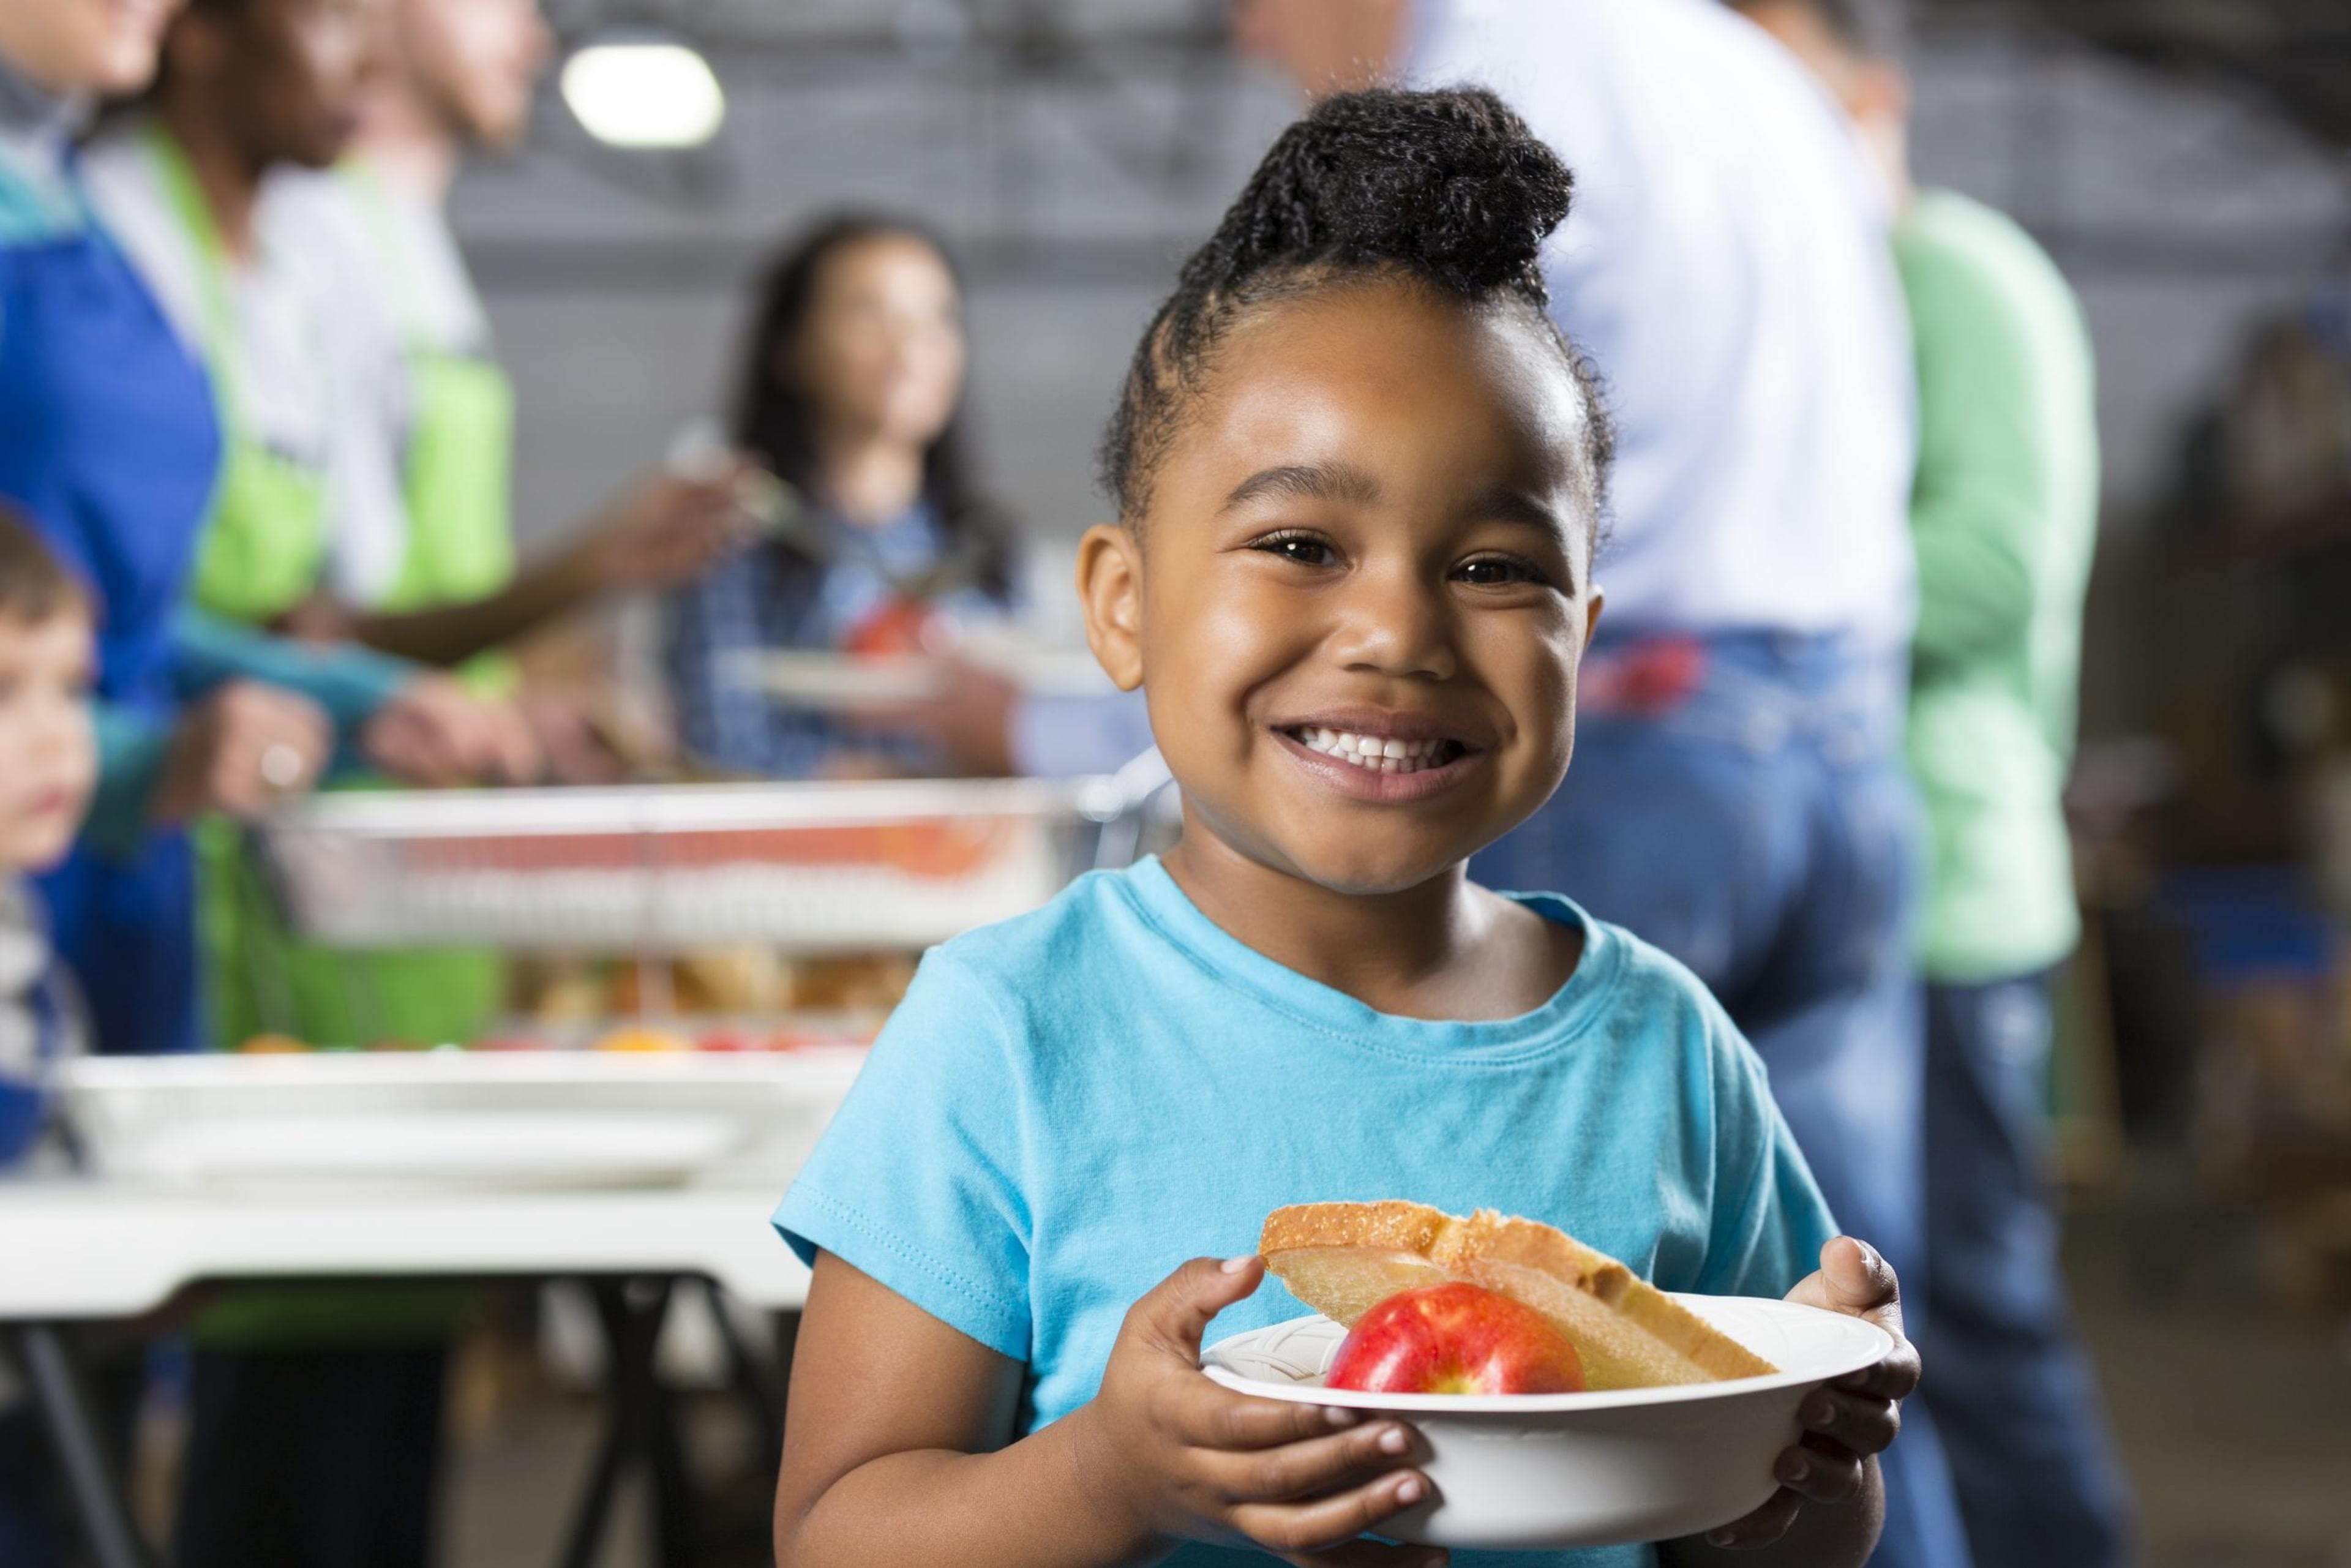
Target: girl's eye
(1303, 549)
(1498, 571)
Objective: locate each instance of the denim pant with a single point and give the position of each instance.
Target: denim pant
(1756, 822)
(2012, 1395)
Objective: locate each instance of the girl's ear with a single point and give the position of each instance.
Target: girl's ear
(1110, 586)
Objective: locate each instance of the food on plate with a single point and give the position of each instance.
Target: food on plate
(396, 1044)
(1344, 1258)
(725, 1042)
(1456, 1338)
(641, 1039)
(272, 1045)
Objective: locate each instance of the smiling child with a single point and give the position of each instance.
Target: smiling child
(1359, 476)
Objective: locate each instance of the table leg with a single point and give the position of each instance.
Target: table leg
(641, 1425)
(73, 1429)
(754, 1384)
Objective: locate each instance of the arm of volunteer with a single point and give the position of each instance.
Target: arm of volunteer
(1983, 497)
(349, 682)
(452, 633)
(667, 530)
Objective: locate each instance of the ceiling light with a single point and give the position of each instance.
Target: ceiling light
(645, 93)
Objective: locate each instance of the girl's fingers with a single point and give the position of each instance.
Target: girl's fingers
(1331, 1522)
(1208, 1416)
(1896, 1377)
(1762, 1527)
(1301, 1469)
(1820, 1471)
(1865, 1425)
(1175, 1312)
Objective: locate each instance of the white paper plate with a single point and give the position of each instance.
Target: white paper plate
(1550, 1470)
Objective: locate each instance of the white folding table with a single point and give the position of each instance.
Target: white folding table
(75, 1249)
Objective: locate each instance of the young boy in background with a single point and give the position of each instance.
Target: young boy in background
(51, 757)
(48, 765)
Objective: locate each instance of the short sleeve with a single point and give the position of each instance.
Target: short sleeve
(1770, 1221)
(915, 1183)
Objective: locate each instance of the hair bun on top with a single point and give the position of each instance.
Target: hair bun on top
(1450, 184)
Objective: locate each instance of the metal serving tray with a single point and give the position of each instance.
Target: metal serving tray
(457, 1118)
(818, 868)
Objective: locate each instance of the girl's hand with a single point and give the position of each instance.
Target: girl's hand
(1182, 1459)
(1850, 1420)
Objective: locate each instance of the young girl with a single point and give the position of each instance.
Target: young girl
(850, 393)
(1359, 475)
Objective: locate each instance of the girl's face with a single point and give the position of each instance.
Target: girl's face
(881, 353)
(44, 733)
(1359, 594)
(105, 46)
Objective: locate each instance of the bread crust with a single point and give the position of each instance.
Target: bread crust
(1392, 1225)
(1340, 1257)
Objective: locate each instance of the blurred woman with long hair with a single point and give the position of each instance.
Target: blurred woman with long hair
(851, 391)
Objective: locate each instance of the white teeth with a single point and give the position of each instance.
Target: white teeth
(1375, 753)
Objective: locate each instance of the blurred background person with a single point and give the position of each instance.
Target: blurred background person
(47, 656)
(851, 389)
(2004, 513)
(1739, 795)
(419, 558)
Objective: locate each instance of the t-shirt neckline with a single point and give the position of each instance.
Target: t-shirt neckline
(1552, 1026)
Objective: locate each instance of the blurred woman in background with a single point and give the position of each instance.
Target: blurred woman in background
(850, 391)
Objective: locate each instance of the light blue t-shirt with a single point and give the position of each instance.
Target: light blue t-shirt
(1068, 1106)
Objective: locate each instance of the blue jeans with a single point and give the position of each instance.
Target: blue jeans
(2012, 1395)
(1756, 823)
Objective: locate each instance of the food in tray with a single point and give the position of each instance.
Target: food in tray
(872, 982)
(1455, 1338)
(560, 991)
(272, 1045)
(933, 848)
(641, 1039)
(515, 1042)
(1345, 1259)
(730, 983)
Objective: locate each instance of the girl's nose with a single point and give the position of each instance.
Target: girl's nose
(1393, 622)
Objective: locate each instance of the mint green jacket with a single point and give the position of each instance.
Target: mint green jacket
(2004, 516)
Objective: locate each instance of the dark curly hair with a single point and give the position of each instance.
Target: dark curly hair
(777, 419)
(1450, 188)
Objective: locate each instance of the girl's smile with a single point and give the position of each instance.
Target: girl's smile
(1385, 758)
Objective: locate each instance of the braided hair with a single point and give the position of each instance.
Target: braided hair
(1449, 188)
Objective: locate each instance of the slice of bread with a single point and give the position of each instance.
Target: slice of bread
(1343, 1258)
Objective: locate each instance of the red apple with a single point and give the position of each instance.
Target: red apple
(1456, 1338)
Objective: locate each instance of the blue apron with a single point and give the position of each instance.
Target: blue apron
(109, 443)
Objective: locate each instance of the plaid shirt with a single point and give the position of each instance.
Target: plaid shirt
(768, 597)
